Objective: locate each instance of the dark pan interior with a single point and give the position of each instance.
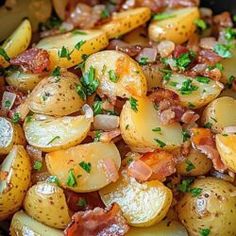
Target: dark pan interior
(220, 5)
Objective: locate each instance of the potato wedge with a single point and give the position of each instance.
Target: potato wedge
(48, 133)
(46, 203)
(10, 134)
(22, 225)
(227, 149)
(143, 205)
(137, 127)
(17, 169)
(74, 44)
(56, 96)
(197, 94)
(177, 28)
(72, 162)
(119, 74)
(17, 43)
(125, 21)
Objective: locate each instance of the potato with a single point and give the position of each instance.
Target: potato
(46, 203)
(56, 96)
(217, 114)
(15, 180)
(194, 164)
(197, 94)
(17, 43)
(226, 147)
(22, 225)
(10, 134)
(142, 205)
(138, 127)
(119, 74)
(123, 22)
(84, 164)
(74, 44)
(48, 133)
(213, 209)
(177, 28)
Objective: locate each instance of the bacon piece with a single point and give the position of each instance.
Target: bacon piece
(223, 20)
(34, 60)
(182, 3)
(20, 97)
(179, 50)
(98, 222)
(189, 117)
(208, 57)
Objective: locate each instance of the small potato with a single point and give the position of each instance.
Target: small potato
(84, 164)
(213, 209)
(227, 149)
(15, 171)
(143, 205)
(220, 113)
(138, 127)
(22, 225)
(75, 44)
(46, 203)
(177, 28)
(197, 94)
(56, 96)
(195, 164)
(119, 75)
(48, 133)
(123, 22)
(10, 134)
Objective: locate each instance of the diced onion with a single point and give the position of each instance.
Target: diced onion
(106, 122)
(88, 111)
(8, 100)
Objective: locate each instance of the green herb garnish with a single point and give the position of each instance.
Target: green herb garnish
(205, 232)
(133, 103)
(113, 76)
(163, 16)
(203, 80)
(189, 165)
(201, 24)
(64, 53)
(80, 44)
(97, 137)
(230, 34)
(97, 107)
(219, 66)
(223, 50)
(81, 92)
(38, 165)
(82, 202)
(16, 117)
(105, 13)
(143, 61)
(160, 143)
(184, 60)
(86, 166)
(56, 72)
(7, 104)
(187, 87)
(157, 129)
(184, 186)
(208, 125)
(55, 138)
(78, 32)
(53, 179)
(3, 53)
(186, 135)
(195, 191)
(71, 180)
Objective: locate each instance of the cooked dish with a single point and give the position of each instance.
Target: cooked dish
(117, 118)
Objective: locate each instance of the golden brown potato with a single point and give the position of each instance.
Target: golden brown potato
(212, 210)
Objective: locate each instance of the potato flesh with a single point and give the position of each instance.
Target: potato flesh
(142, 204)
(178, 28)
(204, 94)
(137, 127)
(131, 80)
(59, 163)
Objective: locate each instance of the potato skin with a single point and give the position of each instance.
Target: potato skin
(213, 209)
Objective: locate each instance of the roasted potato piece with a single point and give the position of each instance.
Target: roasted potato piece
(138, 126)
(17, 43)
(226, 147)
(220, 113)
(56, 96)
(67, 50)
(125, 21)
(15, 179)
(46, 203)
(22, 225)
(192, 93)
(48, 133)
(119, 74)
(177, 28)
(10, 134)
(143, 205)
(213, 209)
(85, 164)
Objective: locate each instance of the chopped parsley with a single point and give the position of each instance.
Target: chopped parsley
(223, 50)
(186, 135)
(189, 166)
(203, 80)
(143, 61)
(53, 179)
(38, 165)
(52, 23)
(75, 32)
(173, 83)
(7, 104)
(191, 105)
(4, 54)
(97, 107)
(71, 180)
(56, 72)
(230, 34)
(163, 16)
(184, 60)
(213, 119)
(187, 87)
(195, 191)
(85, 166)
(82, 202)
(205, 232)
(230, 80)
(160, 143)
(55, 138)
(157, 129)
(45, 96)
(16, 117)
(129, 160)
(105, 13)
(80, 44)
(81, 92)
(28, 118)
(64, 53)
(97, 137)
(201, 24)
(113, 76)
(81, 65)
(167, 74)
(133, 103)
(219, 66)
(208, 125)
(127, 126)
(184, 186)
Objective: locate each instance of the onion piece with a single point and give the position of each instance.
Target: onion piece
(230, 130)
(88, 111)
(111, 170)
(8, 100)
(208, 43)
(149, 53)
(106, 122)
(165, 48)
(106, 137)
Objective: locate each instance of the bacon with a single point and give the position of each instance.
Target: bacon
(208, 57)
(189, 117)
(179, 50)
(98, 222)
(20, 97)
(182, 3)
(223, 20)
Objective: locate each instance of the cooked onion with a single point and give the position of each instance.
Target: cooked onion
(106, 122)
(208, 43)
(149, 53)
(8, 100)
(230, 130)
(165, 48)
(88, 111)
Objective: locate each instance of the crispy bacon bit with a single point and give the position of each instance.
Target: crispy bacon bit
(208, 57)
(223, 20)
(154, 5)
(34, 60)
(98, 222)
(179, 50)
(189, 117)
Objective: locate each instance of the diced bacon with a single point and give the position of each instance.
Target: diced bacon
(223, 19)
(179, 50)
(208, 57)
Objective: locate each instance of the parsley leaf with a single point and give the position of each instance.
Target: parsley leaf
(160, 143)
(38, 165)
(187, 87)
(71, 180)
(205, 232)
(163, 16)
(81, 92)
(53, 179)
(157, 129)
(16, 117)
(184, 60)
(184, 186)
(191, 105)
(86, 166)
(78, 32)
(219, 66)
(201, 24)
(189, 166)
(56, 72)
(167, 74)
(105, 13)
(4, 54)
(7, 103)
(203, 80)
(82, 202)
(133, 103)
(64, 53)
(230, 34)
(223, 50)
(186, 135)
(81, 65)
(52, 23)
(195, 191)
(97, 107)
(80, 44)
(97, 137)
(113, 76)
(143, 61)
(55, 138)
(208, 125)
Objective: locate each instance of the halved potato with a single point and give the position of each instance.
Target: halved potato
(90, 41)
(143, 205)
(10, 134)
(17, 43)
(15, 180)
(48, 133)
(178, 27)
(85, 164)
(119, 74)
(46, 203)
(125, 21)
(56, 96)
(22, 224)
(197, 97)
(138, 127)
